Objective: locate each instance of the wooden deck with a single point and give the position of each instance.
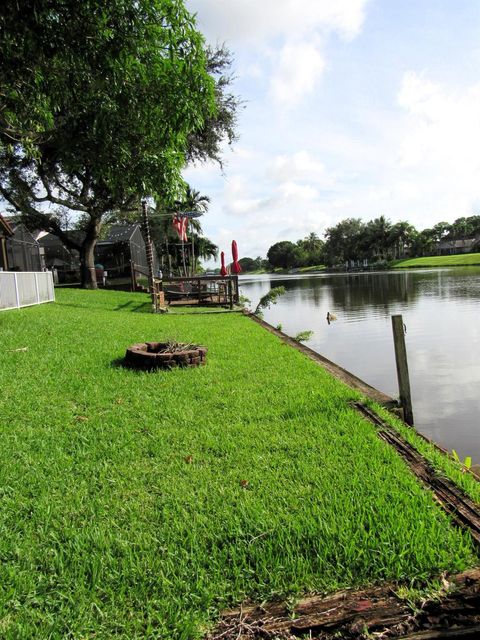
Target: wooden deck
(200, 291)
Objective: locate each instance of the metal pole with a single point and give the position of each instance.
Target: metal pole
(148, 246)
(402, 368)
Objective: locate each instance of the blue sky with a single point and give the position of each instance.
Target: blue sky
(352, 108)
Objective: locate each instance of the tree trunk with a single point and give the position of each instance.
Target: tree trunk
(87, 255)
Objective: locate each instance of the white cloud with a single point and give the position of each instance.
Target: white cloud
(294, 193)
(444, 124)
(300, 65)
(258, 21)
(291, 34)
(439, 150)
(297, 166)
(410, 154)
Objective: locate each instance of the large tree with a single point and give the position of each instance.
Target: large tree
(344, 241)
(284, 255)
(402, 235)
(102, 104)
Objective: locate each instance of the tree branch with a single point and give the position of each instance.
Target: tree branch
(39, 219)
(50, 197)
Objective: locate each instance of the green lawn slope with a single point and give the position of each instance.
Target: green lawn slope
(461, 260)
(139, 505)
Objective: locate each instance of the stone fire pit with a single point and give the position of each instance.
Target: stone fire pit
(164, 355)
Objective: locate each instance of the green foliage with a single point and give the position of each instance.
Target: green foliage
(283, 254)
(105, 104)
(306, 252)
(207, 142)
(165, 238)
(377, 241)
(344, 241)
(123, 86)
(251, 264)
(303, 336)
(268, 299)
(122, 511)
(440, 461)
(466, 464)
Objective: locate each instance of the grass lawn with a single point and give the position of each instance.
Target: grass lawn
(461, 260)
(314, 268)
(138, 505)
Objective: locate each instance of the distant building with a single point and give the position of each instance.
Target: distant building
(65, 261)
(23, 253)
(21, 250)
(124, 244)
(6, 232)
(467, 245)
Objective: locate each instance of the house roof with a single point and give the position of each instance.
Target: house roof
(5, 226)
(458, 244)
(50, 240)
(119, 233)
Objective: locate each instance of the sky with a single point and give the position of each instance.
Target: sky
(351, 108)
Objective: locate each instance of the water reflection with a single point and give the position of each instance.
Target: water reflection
(440, 309)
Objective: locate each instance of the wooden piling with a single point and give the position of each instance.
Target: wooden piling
(402, 368)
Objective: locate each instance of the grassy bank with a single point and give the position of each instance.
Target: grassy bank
(311, 269)
(138, 505)
(462, 260)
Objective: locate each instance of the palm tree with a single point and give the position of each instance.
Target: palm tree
(205, 248)
(378, 232)
(401, 236)
(193, 201)
(312, 242)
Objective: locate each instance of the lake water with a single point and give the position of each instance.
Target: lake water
(441, 311)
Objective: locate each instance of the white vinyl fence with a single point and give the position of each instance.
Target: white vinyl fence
(24, 288)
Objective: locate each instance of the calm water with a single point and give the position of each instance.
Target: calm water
(441, 310)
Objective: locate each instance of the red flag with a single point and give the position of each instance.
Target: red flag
(236, 268)
(180, 226)
(223, 270)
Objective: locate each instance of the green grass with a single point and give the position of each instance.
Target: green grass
(442, 463)
(461, 260)
(107, 530)
(314, 268)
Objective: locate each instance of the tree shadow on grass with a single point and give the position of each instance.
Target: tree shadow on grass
(144, 307)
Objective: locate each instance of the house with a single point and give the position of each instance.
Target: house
(23, 253)
(123, 244)
(65, 261)
(6, 232)
(466, 245)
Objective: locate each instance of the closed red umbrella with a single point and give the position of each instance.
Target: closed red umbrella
(236, 268)
(223, 270)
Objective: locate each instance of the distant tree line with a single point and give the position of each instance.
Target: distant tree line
(375, 241)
